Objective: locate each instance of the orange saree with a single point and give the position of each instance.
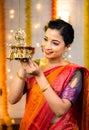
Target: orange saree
(38, 114)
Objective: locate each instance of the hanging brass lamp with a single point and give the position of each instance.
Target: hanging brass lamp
(20, 50)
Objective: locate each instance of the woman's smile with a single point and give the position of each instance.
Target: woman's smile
(47, 52)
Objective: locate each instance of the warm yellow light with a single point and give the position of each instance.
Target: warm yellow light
(38, 6)
(69, 48)
(13, 121)
(12, 11)
(63, 10)
(36, 26)
(8, 70)
(10, 77)
(11, 16)
(11, 30)
(69, 56)
(9, 37)
(64, 15)
(8, 90)
(37, 44)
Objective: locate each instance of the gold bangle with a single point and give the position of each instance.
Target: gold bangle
(18, 76)
(45, 88)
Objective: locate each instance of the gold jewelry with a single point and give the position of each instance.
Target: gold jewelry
(45, 88)
(18, 76)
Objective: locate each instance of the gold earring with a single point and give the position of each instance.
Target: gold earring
(65, 54)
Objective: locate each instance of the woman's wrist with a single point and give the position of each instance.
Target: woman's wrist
(21, 73)
(20, 77)
(43, 83)
(45, 87)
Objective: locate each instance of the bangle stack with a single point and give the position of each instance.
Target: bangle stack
(45, 88)
(18, 76)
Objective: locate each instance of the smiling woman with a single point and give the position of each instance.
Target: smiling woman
(54, 89)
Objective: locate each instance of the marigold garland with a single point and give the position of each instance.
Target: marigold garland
(3, 86)
(86, 33)
(54, 7)
(28, 22)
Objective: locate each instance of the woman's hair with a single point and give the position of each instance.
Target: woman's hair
(65, 29)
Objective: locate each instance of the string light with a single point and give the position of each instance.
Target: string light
(37, 25)
(11, 13)
(10, 77)
(11, 31)
(38, 6)
(37, 44)
(8, 70)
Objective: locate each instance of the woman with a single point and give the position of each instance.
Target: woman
(54, 88)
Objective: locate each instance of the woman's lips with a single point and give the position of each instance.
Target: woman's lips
(48, 52)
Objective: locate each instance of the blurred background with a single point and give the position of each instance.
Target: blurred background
(31, 16)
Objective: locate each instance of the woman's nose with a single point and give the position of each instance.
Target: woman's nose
(48, 45)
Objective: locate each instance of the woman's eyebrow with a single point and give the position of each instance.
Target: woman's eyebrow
(45, 36)
(56, 41)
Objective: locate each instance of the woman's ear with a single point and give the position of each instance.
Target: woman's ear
(66, 52)
(67, 47)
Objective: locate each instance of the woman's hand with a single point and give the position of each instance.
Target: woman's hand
(32, 68)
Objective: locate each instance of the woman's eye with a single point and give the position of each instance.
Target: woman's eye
(55, 43)
(45, 39)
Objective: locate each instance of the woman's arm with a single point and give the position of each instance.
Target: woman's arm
(58, 104)
(17, 87)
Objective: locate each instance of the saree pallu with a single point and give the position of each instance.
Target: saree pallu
(38, 115)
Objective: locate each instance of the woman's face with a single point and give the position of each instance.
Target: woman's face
(53, 44)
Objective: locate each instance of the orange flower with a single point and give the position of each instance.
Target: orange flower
(54, 7)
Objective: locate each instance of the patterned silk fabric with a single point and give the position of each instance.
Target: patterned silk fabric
(38, 115)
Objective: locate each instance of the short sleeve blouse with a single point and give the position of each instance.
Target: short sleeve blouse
(73, 88)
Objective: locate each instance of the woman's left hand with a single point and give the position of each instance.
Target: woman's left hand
(32, 68)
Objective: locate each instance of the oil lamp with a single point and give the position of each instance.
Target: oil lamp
(20, 51)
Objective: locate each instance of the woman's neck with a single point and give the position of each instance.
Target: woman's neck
(50, 63)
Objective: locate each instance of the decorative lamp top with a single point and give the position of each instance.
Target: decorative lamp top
(20, 35)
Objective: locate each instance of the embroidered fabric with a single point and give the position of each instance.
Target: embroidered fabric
(73, 89)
